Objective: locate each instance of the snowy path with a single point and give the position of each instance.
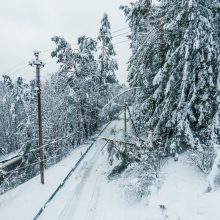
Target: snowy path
(80, 191)
(86, 191)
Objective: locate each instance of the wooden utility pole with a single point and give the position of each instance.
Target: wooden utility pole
(132, 121)
(38, 63)
(125, 118)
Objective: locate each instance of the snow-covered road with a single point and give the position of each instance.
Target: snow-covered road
(79, 197)
(89, 195)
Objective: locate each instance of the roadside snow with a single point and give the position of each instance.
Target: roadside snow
(183, 194)
(25, 201)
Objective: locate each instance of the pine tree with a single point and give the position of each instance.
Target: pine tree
(180, 95)
(107, 64)
(145, 60)
(187, 85)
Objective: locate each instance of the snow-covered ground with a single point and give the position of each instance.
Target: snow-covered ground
(183, 194)
(88, 195)
(25, 201)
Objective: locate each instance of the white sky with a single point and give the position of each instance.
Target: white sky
(27, 25)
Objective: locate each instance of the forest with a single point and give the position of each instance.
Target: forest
(174, 76)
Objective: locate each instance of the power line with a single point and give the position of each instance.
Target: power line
(38, 161)
(120, 42)
(128, 32)
(49, 50)
(24, 67)
(121, 29)
(47, 58)
(51, 62)
(58, 154)
(52, 142)
(18, 65)
(34, 163)
(19, 168)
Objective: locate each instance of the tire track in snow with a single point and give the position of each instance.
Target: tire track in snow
(91, 211)
(83, 185)
(69, 174)
(75, 199)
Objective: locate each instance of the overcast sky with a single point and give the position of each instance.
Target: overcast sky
(27, 25)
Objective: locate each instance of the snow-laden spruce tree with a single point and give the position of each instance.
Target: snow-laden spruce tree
(146, 56)
(187, 94)
(88, 93)
(214, 176)
(180, 89)
(107, 63)
(177, 70)
(89, 87)
(108, 85)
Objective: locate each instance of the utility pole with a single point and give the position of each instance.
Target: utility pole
(125, 118)
(132, 121)
(39, 64)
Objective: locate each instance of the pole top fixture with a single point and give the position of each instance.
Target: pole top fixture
(36, 61)
(36, 52)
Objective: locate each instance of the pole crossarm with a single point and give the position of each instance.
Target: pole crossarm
(36, 61)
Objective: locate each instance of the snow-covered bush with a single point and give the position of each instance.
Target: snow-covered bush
(11, 181)
(137, 164)
(137, 180)
(202, 159)
(118, 157)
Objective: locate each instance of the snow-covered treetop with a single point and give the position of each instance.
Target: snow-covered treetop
(107, 64)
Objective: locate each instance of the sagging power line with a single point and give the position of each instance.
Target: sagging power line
(21, 67)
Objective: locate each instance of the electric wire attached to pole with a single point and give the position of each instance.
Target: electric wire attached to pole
(39, 64)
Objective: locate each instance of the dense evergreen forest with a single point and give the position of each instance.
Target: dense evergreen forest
(175, 66)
